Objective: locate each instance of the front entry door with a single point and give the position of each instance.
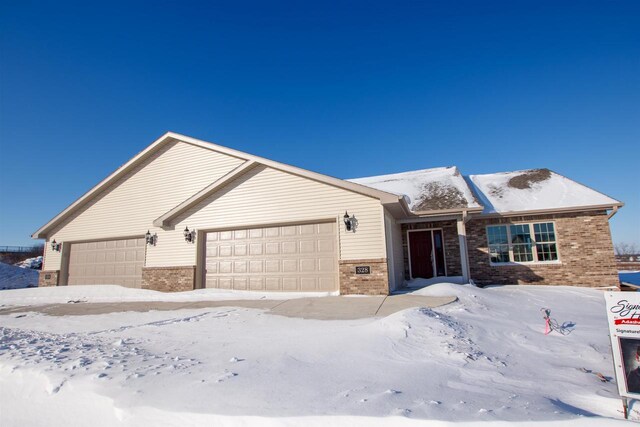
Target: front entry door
(421, 248)
(426, 249)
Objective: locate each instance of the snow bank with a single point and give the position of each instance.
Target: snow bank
(34, 263)
(484, 360)
(498, 193)
(114, 293)
(12, 277)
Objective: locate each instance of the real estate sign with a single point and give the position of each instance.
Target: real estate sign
(623, 313)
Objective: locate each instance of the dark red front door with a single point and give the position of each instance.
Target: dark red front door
(420, 246)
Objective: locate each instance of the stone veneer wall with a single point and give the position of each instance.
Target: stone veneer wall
(584, 247)
(53, 280)
(451, 245)
(376, 283)
(169, 279)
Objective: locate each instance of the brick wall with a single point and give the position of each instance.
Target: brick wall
(48, 278)
(169, 279)
(584, 246)
(451, 245)
(376, 283)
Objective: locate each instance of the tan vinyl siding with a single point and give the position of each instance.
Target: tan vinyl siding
(265, 196)
(129, 206)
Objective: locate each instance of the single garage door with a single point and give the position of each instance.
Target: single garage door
(110, 262)
(301, 257)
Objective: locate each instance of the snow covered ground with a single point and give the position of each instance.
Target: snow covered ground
(483, 359)
(114, 293)
(14, 277)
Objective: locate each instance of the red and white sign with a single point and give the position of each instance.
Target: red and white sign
(623, 313)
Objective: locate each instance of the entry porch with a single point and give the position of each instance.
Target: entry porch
(434, 249)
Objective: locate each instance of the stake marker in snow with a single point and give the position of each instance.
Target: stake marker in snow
(551, 324)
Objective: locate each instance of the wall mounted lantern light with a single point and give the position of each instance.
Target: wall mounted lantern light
(189, 236)
(151, 238)
(56, 246)
(350, 222)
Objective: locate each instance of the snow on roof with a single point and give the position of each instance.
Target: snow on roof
(427, 189)
(533, 189)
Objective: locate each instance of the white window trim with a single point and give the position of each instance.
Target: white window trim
(533, 237)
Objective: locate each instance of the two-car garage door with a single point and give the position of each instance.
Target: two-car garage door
(111, 262)
(301, 257)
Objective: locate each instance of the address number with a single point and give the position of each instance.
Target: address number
(363, 269)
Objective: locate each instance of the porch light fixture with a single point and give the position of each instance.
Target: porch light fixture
(189, 235)
(56, 246)
(151, 239)
(349, 222)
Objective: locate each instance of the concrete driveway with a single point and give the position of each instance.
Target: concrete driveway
(322, 308)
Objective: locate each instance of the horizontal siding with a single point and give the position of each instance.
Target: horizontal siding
(267, 196)
(129, 206)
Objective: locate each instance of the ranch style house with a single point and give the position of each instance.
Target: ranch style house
(186, 214)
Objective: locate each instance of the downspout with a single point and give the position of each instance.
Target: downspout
(464, 251)
(613, 212)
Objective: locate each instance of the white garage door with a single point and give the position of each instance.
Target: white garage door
(111, 262)
(302, 257)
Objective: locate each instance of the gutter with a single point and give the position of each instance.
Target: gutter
(615, 207)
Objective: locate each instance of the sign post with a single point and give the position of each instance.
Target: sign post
(623, 315)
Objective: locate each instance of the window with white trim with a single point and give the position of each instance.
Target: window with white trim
(521, 243)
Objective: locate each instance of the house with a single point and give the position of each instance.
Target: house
(185, 214)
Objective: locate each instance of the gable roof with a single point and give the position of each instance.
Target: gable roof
(535, 190)
(428, 190)
(384, 197)
(202, 194)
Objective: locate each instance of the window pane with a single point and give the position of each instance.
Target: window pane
(544, 232)
(547, 252)
(497, 235)
(499, 253)
(520, 233)
(522, 253)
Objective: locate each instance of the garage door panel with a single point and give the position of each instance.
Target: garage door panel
(225, 267)
(289, 284)
(240, 250)
(256, 283)
(299, 257)
(117, 262)
(326, 245)
(256, 266)
(272, 248)
(307, 246)
(240, 283)
(272, 265)
(290, 247)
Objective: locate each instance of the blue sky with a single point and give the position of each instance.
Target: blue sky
(348, 89)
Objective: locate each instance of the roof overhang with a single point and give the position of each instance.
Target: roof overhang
(607, 207)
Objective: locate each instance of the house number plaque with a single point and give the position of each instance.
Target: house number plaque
(363, 269)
